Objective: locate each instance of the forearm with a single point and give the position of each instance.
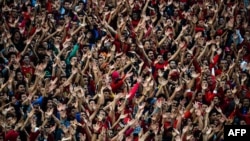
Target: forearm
(162, 40)
(114, 125)
(25, 123)
(51, 35)
(125, 67)
(173, 57)
(112, 56)
(44, 123)
(85, 67)
(201, 54)
(93, 115)
(56, 120)
(69, 80)
(94, 137)
(88, 132)
(76, 31)
(110, 29)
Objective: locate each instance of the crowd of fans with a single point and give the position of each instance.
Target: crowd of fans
(121, 70)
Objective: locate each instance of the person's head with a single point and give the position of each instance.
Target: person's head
(206, 70)
(73, 110)
(222, 83)
(160, 58)
(45, 44)
(213, 115)
(238, 19)
(63, 79)
(85, 80)
(224, 64)
(73, 61)
(247, 36)
(85, 48)
(199, 97)
(243, 74)
(66, 4)
(26, 59)
(19, 76)
(192, 68)
(83, 115)
(245, 102)
(101, 115)
(228, 93)
(201, 22)
(166, 45)
(40, 84)
(89, 35)
(151, 54)
(218, 38)
(10, 117)
(12, 56)
(159, 34)
(92, 103)
(46, 59)
(216, 100)
(81, 4)
(174, 103)
(221, 20)
(107, 94)
(17, 36)
(34, 98)
(21, 87)
(73, 24)
(172, 64)
(63, 64)
(57, 39)
(201, 40)
(11, 49)
(188, 57)
(146, 44)
(228, 58)
(133, 47)
(49, 103)
(101, 60)
(210, 80)
(135, 15)
(41, 50)
(243, 122)
(204, 107)
(167, 117)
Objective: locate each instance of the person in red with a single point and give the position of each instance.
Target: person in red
(26, 68)
(159, 65)
(11, 135)
(117, 82)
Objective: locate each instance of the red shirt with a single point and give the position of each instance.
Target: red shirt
(115, 85)
(158, 66)
(118, 44)
(27, 71)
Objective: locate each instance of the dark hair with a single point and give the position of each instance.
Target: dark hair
(92, 100)
(20, 83)
(11, 53)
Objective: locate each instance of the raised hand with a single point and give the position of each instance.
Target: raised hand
(49, 112)
(97, 127)
(195, 75)
(122, 116)
(208, 109)
(185, 129)
(178, 88)
(204, 86)
(236, 100)
(162, 81)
